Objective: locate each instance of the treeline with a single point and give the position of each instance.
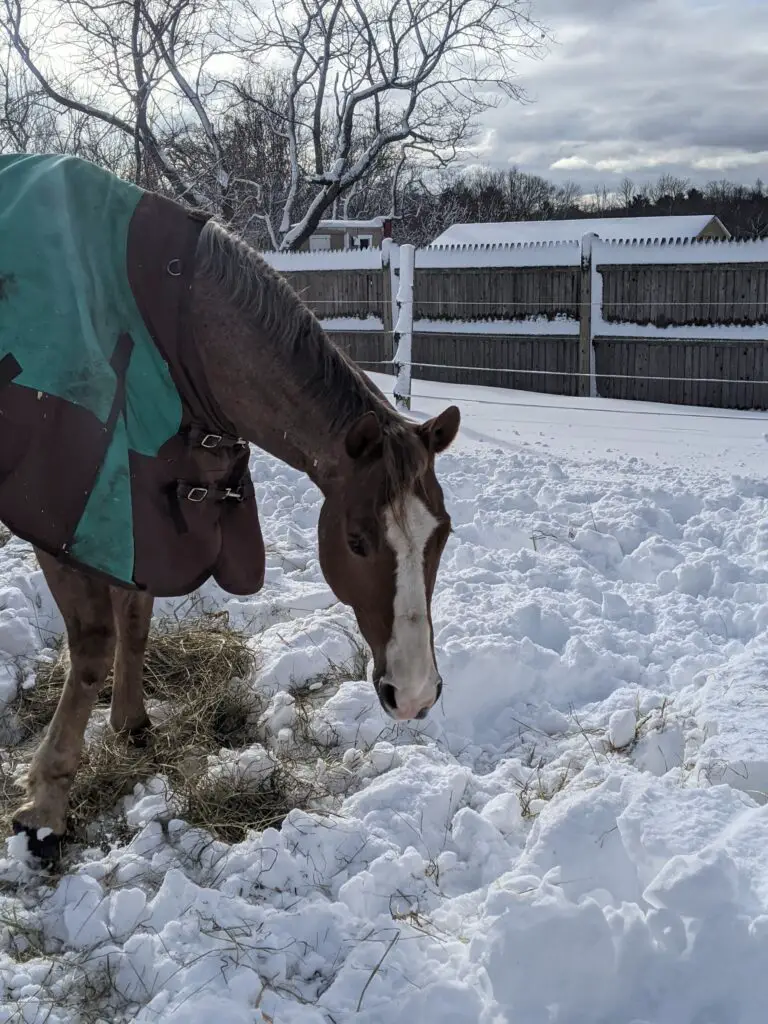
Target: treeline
(487, 196)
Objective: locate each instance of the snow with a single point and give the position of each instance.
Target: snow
(353, 323)
(621, 728)
(578, 834)
(535, 325)
(651, 251)
(608, 228)
(537, 251)
(525, 254)
(327, 259)
(710, 332)
(352, 225)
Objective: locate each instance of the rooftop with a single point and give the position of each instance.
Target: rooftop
(607, 228)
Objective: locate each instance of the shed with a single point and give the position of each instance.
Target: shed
(338, 235)
(627, 229)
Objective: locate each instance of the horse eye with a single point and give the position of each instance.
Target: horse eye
(358, 545)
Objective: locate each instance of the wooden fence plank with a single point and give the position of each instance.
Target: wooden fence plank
(752, 373)
(686, 294)
(497, 352)
(509, 293)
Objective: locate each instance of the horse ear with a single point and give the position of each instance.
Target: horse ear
(363, 435)
(438, 433)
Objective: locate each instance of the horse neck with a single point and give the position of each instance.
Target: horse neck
(256, 390)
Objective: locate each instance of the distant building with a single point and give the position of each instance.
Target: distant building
(626, 229)
(338, 235)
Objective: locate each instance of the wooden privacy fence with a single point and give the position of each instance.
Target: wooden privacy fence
(683, 322)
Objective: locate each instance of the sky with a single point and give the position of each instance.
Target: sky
(640, 88)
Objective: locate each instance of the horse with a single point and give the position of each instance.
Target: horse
(276, 380)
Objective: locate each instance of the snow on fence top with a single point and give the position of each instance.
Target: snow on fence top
(680, 250)
(327, 259)
(657, 251)
(514, 254)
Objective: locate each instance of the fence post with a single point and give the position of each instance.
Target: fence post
(586, 381)
(387, 317)
(404, 329)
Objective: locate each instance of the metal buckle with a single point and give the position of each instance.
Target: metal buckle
(197, 494)
(229, 493)
(211, 441)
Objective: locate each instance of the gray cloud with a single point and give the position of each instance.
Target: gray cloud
(641, 88)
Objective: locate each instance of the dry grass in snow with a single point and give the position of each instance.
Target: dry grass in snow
(203, 711)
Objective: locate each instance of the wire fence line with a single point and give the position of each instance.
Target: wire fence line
(568, 373)
(717, 303)
(463, 399)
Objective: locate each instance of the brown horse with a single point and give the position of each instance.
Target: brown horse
(382, 530)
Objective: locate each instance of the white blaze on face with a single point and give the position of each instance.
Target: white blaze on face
(410, 664)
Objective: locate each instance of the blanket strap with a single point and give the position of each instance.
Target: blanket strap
(121, 357)
(196, 494)
(207, 439)
(10, 368)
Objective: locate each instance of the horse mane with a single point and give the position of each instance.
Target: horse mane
(299, 342)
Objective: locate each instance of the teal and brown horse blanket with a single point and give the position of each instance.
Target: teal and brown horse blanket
(114, 456)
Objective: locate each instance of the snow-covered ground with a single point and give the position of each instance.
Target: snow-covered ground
(577, 835)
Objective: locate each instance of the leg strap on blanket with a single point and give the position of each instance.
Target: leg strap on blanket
(210, 440)
(196, 494)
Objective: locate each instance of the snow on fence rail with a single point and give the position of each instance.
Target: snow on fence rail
(653, 321)
(351, 259)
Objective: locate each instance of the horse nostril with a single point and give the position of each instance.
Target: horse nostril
(388, 696)
(439, 690)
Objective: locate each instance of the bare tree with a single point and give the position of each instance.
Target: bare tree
(381, 73)
(429, 205)
(567, 199)
(140, 76)
(626, 193)
(20, 113)
(360, 91)
(600, 200)
(669, 190)
(528, 197)
(255, 152)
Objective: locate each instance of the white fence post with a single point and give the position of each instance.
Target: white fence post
(404, 329)
(587, 384)
(387, 291)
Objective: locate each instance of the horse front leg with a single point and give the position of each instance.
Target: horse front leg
(133, 615)
(86, 607)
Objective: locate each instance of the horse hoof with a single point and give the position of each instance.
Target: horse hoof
(47, 850)
(137, 735)
(141, 735)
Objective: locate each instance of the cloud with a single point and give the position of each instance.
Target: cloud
(571, 163)
(641, 88)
